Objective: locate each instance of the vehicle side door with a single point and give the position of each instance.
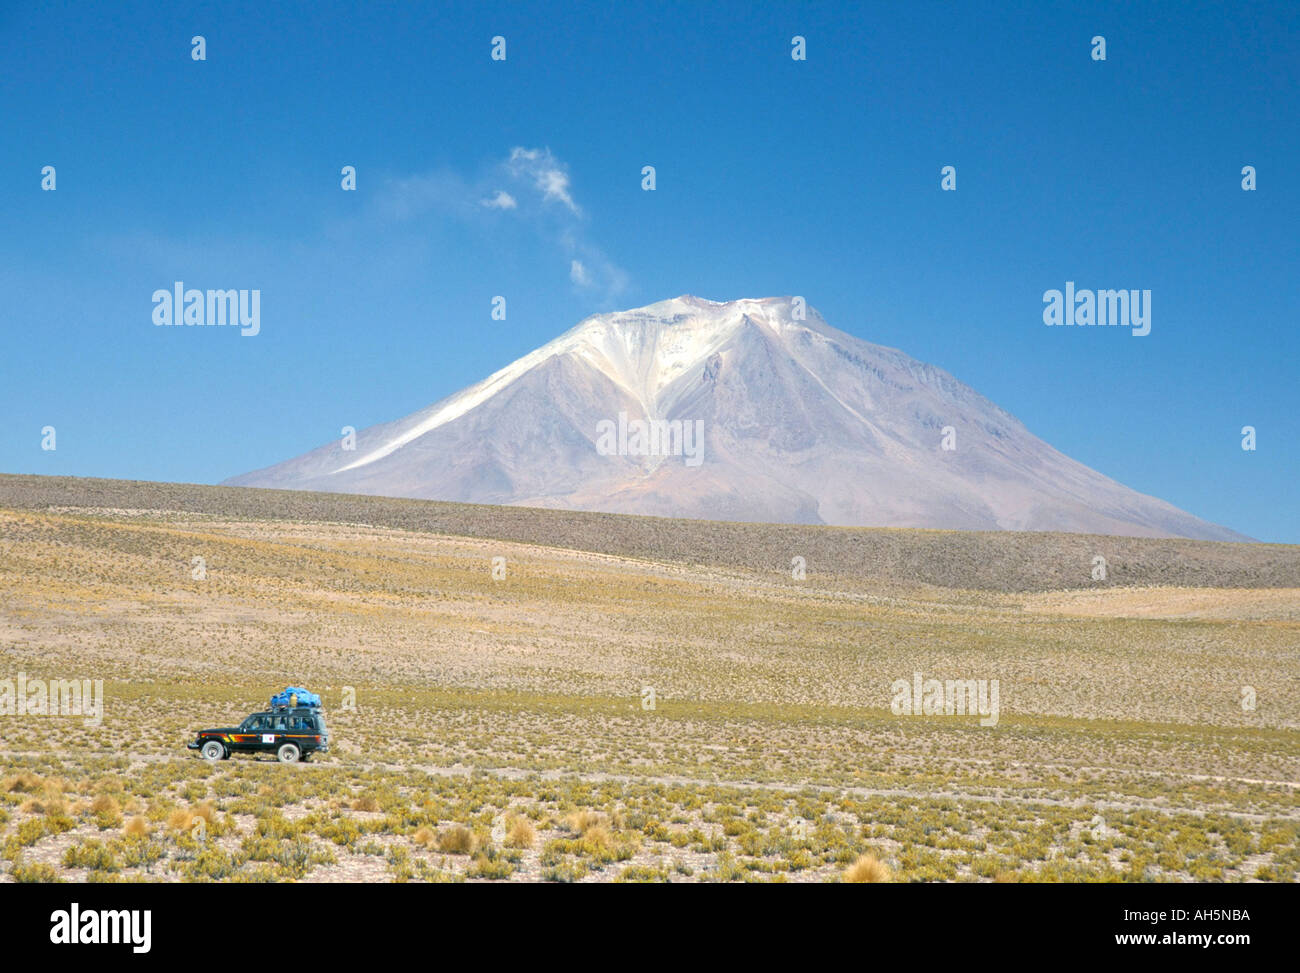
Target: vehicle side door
(251, 732)
(294, 726)
(310, 730)
(272, 732)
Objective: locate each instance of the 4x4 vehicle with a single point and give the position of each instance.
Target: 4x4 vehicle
(291, 734)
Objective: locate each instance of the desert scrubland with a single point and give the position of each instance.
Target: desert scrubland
(633, 699)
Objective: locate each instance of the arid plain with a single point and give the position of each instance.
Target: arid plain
(519, 694)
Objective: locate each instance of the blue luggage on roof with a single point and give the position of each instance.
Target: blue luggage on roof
(294, 696)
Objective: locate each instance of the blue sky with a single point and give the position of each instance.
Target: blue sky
(819, 178)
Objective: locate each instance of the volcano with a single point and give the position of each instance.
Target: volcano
(745, 410)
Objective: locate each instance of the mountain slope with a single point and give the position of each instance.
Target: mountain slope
(800, 423)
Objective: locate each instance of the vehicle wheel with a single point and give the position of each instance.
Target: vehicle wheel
(289, 753)
(213, 750)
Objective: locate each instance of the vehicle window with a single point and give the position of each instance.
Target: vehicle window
(256, 723)
(281, 723)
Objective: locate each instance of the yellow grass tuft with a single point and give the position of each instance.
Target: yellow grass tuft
(50, 807)
(136, 827)
(868, 868)
(207, 812)
(457, 840)
(598, 837)
(520, 834)
(580, 822)
(24, 783)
